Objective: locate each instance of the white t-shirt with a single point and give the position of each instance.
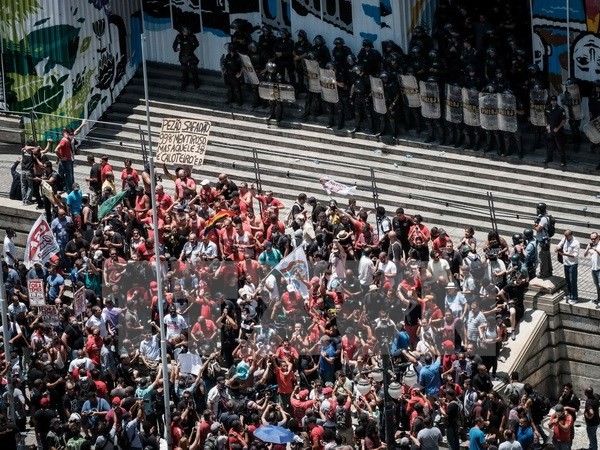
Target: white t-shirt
(175, 325)
(439, 269)
(9, 247)
(366, 268)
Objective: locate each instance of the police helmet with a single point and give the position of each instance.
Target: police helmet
(491, 51)
(385, 77)
(537, 87)
(338, 41)
(185, 29)
(433, 54)
(515, 258)
(235, 25)
(541, 208)
(252, 46)
(517, 238)
(367, 43)
(284, 33)
(432, 79)
(419, 30)
(490, 88)
(528, 233)
(415, 51)
(507, 92)
(358, 68)
(271, 67)
(499, 73)
(302, 34)
(318, 40)
(570, 81)
(533, 69)
(351, 59)
(331, 65)
(520, 53)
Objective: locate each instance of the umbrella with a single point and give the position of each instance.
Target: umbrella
(274, 434)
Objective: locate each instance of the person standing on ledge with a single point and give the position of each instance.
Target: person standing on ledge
(568, 247)
(555, 118)
(186, 44)
(593, 249)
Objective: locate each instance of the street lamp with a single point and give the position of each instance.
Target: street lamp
(395, 390)
(363, 386)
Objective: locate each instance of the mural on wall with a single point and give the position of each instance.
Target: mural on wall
(65, 61)
(555, 29)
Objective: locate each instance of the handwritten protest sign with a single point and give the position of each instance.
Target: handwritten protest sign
(35, 288)
(50, 314)
(79, 302)
(183, 141)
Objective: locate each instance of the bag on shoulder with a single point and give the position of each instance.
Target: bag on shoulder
(540, 405)
(477, 268)
(210, 443)
(551, 228)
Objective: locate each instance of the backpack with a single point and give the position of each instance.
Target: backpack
(551, 228)
(341, 416)
(477, 268)
(540, 406)
(123, 438)
(211, 442)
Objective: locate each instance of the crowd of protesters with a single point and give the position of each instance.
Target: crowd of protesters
(306, 355)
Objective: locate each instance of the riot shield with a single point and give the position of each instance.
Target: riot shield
(430, 100)
(312, 76)
(571, 101)
(329, 92)
(470, 105)
(378, 95)
(488, 111)
(409, 89)
(507, 113)
(537, 105)
(592, 130)
(454, 108)
(248, 69)
(276, 91)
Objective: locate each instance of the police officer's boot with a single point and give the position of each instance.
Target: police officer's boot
(506, 143)
(185, 77)
(442, 132)
(271, 110)
(307, 105)
(469, 139)
(358, 119)
(499, 144)
(478, 140)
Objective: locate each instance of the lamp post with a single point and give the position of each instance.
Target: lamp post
(389, 409)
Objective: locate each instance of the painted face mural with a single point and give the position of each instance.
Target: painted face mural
(539, 51)
(586, 57)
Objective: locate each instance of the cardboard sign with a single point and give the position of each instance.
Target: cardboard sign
(79, 303)
(183, 142)
(36, 292)
(50, 314)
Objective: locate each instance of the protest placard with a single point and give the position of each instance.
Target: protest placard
(50, 314)
(35, 288)
(79, 302)
(183, 142)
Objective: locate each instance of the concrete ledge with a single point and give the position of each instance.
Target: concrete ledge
(545, 294)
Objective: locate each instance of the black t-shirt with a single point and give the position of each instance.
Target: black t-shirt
(594, 404)
(96, 173)
(74, 247)
(74, 336)
(402, 227)
(8, 434)
(42, 420)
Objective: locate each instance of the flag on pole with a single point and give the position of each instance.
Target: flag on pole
(290, 266)
(331, 186)
(110, 203)
(41, 243)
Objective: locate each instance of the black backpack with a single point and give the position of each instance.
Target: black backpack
(551, 228)
(211, 442)
(477, 268)
(540, 406)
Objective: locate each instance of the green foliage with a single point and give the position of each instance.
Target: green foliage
(14, 14)
(85, 44)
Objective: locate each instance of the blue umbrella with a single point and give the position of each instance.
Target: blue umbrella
(274, 434)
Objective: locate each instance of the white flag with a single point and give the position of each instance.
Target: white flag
(338, 188)
(290, 266)
(41, 243)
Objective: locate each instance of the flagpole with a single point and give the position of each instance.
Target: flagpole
(161, 313)
(7, 359)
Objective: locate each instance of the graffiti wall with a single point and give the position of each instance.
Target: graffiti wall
(68, 59)
(566, 37)
(352, 20)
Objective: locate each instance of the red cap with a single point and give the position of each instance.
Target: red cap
(448, 343)
(154, 285)
(44, 401)
(116, 401)
(303, 394)
(327, 391)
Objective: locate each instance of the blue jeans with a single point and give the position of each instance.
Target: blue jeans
(571, 279)
(65, 168)
(26, 186)
(596, 278)
(561, 445)
(592, 436)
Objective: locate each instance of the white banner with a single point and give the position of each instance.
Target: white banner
(79, 304)
(183, 142)
(331, 186)
(41, 243)
(291, 266)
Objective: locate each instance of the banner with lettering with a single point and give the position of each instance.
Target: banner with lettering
(35, 290)
(41, 243)
(183, 142)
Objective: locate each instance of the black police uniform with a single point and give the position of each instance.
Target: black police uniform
(284, 58)
(360, 96)
(391, 91)
(370, 60)
(266, 43)
(555, 134)
(275, 106)
(231, 65)
(574, 124)
(259, 62)
(594, 107)
(339, 55)
(301, 48)
(472, 134)
(186, 45)
(341, 108)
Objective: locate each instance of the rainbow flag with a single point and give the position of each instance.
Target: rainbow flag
(214, 220)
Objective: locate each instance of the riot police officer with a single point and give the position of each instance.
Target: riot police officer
(492, 62)
(369, 58)
(492, 137)
(555, 134)
(259, 62)
(516, 135)
(436, 67)
(275, 106)
(416, 64)
(435, 127)
(391, 92)
(468, 54)
(284, 55)
(570, 103)
(500, 82)
(266, 42)
(359, 96)
(389, 48)
(231, 67)
(472, 133)
(420, 39)
(322, 55)
(242, 34)
(342, 106)
(539, 129)
(340, 53)
(312, 102)
(186, 44)
(300, 50)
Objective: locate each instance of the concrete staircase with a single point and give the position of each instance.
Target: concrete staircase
(447, 186)
(10, 131)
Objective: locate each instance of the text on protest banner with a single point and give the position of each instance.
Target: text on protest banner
(50, 314)
(35, 288)
(79, 302)
(183, 141)
(41, 243)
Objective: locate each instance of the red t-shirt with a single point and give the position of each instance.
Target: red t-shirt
(316, 437)
(64, 150)
(285, 382)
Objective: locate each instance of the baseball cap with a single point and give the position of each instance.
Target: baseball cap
(216, 426)
(74, 418)
(44, 401)
(553, 97)
(327, 391)
(116, 401)
(204, 183)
